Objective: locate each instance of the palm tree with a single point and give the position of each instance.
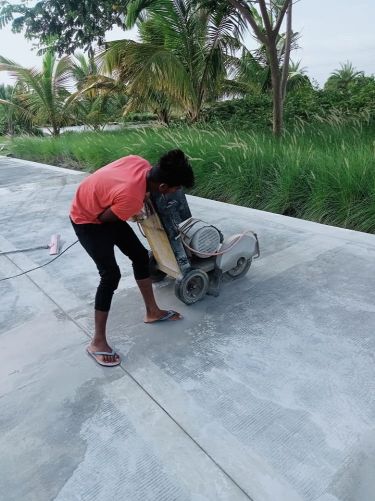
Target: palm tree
(252, 75)
(17, 119)
(8, 108)
(182, 58)
(44, 96)
(90, 101)
(342, 78)
(247, 76)
(99, 98)
(83, 68)
(297, 77)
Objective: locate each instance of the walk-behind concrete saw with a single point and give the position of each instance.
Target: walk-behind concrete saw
(192, 251)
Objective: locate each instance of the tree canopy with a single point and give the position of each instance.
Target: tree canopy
(183, 57)
(64, 25)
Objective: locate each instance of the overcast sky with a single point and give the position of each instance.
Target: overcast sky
(332, 32)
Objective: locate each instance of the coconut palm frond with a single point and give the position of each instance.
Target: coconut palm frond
(135, 9)
(347, 72)
(185, 51)
(29, 76)
(42, 93)
(159, 69)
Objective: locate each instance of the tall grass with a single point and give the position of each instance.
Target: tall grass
(324, 174)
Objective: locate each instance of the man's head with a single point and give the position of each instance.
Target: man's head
(171, 173)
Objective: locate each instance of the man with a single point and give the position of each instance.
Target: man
(104, 201)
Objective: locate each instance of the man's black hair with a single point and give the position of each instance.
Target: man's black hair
(173, 169)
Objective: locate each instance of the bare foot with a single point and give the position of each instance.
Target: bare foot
(111, 358)
(162, 316)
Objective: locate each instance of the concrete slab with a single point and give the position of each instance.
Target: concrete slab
(264, 393)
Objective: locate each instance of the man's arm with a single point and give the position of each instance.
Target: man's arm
(108, 216)
(123, 207)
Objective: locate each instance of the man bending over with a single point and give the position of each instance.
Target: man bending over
(104, 201)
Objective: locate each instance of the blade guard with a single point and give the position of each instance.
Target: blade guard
(247, 247)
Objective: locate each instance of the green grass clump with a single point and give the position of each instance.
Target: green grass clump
(324, 174)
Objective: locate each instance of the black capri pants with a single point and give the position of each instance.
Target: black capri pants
(99, 241)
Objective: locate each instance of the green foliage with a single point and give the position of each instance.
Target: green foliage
(99, 99)
(302, 105)
(64, 25)
(354, 104)
(12, 117)
(343, 78)
(68, 25)
(182, 59)
(251, 112)
(139, 117)
(42, 96)
(6, 93)
(3, 123)
(358, 97)
(324, 174)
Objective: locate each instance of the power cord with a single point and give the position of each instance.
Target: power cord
(41, 266)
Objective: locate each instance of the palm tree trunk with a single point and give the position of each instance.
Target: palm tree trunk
(55, 130)
(163, 115)
(288, 45)
(166, 117)
(277, 92)
(267, 35)
(10, 123)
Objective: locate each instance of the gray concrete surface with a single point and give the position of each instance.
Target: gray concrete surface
(264, 393)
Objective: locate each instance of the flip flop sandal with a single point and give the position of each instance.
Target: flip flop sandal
(167, 316)
(94, 354)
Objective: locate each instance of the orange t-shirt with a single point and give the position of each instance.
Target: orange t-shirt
(120, 186)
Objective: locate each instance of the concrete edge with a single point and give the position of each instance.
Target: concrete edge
(45, 166)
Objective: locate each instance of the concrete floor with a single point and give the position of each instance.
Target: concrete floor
(264, 393)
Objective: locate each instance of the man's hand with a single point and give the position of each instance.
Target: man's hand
(108, 216)
(138, 218)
